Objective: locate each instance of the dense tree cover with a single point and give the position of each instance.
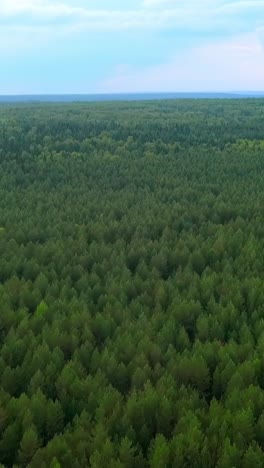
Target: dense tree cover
(131, 284)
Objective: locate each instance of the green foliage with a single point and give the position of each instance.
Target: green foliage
(28, 446)
(41, 309)
(131, 284)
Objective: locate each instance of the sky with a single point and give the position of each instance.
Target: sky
(124, 46)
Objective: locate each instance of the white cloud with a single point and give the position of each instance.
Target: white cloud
(209, 5)
(9, 8)
(196, 14)
(207, 13)
(28, 23)
(232, 65)
(175, 4)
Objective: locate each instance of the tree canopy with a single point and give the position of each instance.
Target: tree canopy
(131, 284)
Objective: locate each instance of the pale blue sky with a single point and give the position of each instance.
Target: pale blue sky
(91, 46)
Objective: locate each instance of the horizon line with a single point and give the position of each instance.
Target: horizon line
(133, 93)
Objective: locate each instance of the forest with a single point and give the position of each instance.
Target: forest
(132, 284)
